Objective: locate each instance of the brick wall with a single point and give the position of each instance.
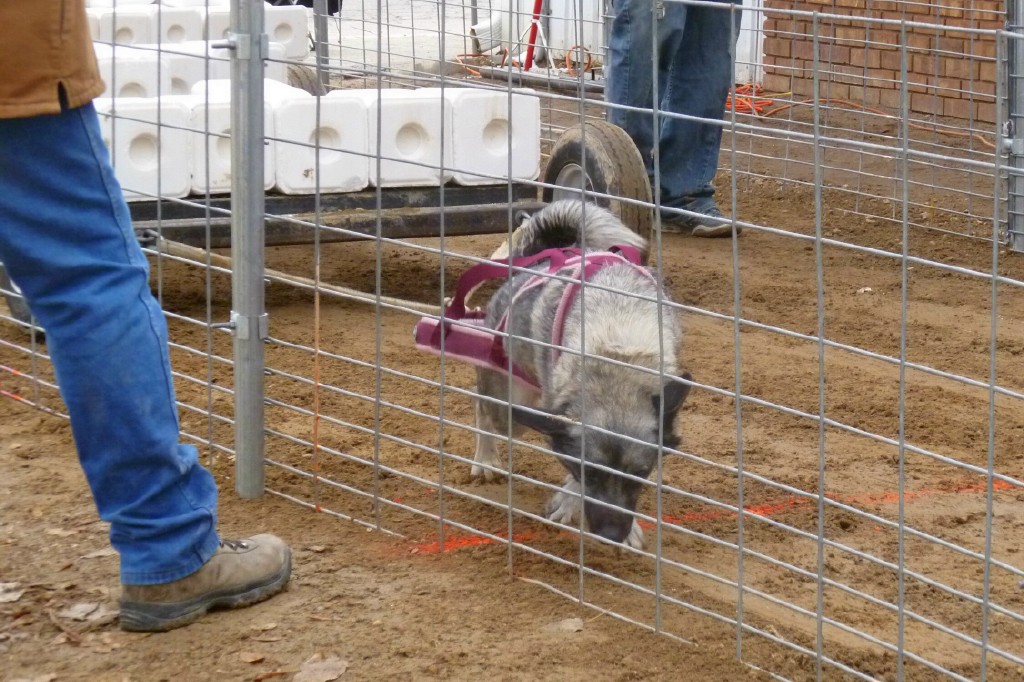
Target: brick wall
(949, 72)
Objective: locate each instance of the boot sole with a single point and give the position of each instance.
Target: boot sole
(698, 230)
(724, 230)
(146, 617)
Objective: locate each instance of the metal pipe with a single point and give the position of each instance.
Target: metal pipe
(320, 36)
(248, 317)
(1015, 126)
(566, 85)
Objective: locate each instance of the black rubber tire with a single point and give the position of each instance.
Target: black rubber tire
(605, 157)
(305, 78)
(16, 304)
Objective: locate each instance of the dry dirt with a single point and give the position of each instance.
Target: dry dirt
(397, 607)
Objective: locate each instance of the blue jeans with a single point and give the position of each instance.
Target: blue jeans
(66, 239)
(695, 73)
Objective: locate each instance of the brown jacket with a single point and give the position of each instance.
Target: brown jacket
(45, 45)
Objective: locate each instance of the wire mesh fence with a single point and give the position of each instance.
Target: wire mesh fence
(843, 502)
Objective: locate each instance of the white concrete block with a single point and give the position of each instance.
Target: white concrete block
(218, 22)
(93, 17)
(289, 25)
(213, 90)
(484, 138)
(129, 25)
(219, 90)
(215, 118)
(131, 72)
(188, 64)
(117, 3)
(342, 133)
(178, 24)
(149, 158)
(275, 91)
(285, 24)
(196, 3)
(410, 149)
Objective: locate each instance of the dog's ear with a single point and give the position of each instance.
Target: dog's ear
(548, 423)
(675, 392)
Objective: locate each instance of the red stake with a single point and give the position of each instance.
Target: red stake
(537, 4)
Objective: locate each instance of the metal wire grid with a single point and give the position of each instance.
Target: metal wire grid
(943, 143)
(694, 532)
(860, 140)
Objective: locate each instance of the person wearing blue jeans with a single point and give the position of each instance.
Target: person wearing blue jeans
(66, 240)
(694, 69)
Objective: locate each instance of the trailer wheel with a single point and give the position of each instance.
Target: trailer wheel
(15, 301)
(602, 158)
(305, 78)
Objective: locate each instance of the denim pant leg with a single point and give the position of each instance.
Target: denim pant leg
(66, 239)
(695, 72)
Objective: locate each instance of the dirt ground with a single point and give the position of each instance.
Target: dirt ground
(402, 605)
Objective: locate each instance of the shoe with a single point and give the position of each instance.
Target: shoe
(240, 573)
(711, 222)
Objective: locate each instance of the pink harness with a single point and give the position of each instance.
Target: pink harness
(462, 330)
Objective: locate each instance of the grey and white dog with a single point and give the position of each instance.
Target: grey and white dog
(596, 404)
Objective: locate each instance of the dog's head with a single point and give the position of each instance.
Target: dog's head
(625, 441)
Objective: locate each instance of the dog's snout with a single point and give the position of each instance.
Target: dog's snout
(611, 524)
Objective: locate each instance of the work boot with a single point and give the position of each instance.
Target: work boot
(240, 573)
(710, 222)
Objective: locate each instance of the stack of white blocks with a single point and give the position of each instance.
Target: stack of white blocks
(137, 22)
(425, 140)
(167, 113)
(150, 144)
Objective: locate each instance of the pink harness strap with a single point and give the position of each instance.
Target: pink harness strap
(461, 330)
(583, 267)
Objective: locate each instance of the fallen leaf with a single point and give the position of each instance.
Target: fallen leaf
(106, 551)
(317, 548)
(268, 638)
(10, 592)
(567, 625)
(250, 657)
(321, 669)
(102, 616)
(79, 611)
(266, 626)
(70, 634)
(271, 673)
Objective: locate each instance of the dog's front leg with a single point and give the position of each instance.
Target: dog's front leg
(485, 461)
(564, 506)
(635, 539)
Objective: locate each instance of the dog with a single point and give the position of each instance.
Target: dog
(592, 407)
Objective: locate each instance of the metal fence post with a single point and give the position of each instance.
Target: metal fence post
(1015, 126)
(248, 317)
(321, 41)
